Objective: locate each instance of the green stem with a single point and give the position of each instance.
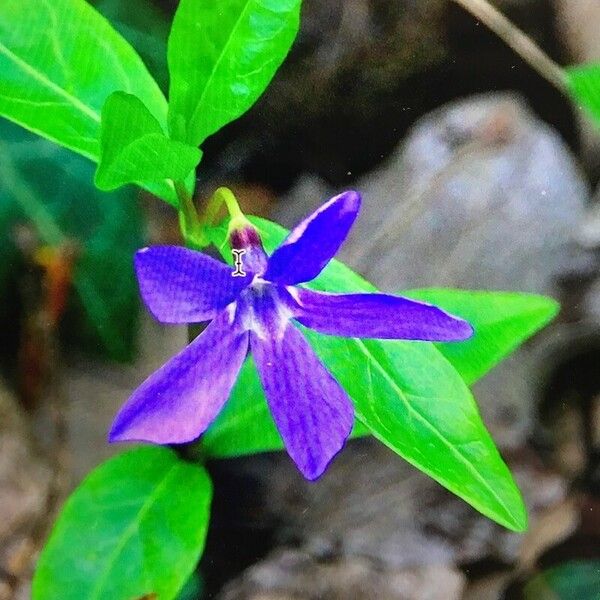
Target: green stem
(189, 222)
(194, 227)
(222, 196)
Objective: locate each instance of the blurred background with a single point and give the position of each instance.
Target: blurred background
(475, 172)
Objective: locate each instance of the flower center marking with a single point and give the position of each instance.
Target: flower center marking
(238, 264)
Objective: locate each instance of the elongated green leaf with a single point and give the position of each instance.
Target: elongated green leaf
(135, 526)
(502, 322)
(59, 61)
(583, 83)
(416, 403)
(222, 55)
(134, 148)
(412, 399)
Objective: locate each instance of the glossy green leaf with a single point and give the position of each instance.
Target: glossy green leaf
(59, 61)
(50, 188)
(412, 399)
(583, 83)
(502, 322)
(135, 526)
(222, 55)
(134, 148)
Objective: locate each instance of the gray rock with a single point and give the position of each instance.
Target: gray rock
(292, 574)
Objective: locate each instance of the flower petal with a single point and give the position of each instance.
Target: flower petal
(180, 400)
(311, 410)
(180, 285)
(377, 316)
(314, 242)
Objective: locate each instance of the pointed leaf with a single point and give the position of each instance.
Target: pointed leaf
(222, 55)
(416, 403)
(135, 526)
(134, 148)
(502, 322)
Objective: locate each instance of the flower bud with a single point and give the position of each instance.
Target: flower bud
(243, 236)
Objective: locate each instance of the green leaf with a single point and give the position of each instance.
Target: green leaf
(583, 83)
(410, 397)
(573, 580)
(135, 526)
(502, 322)
(417, 404)
(222, 55)
(50, 188)
(59, 61)
(134, 148)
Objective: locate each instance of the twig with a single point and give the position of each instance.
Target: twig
(516, 39)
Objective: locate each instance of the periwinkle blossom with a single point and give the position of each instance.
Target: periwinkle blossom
(255, 313)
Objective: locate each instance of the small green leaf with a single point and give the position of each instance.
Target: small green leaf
(583, 83)
(573, 580)
(410, 397)
(135, 526)
(134, 148)
(59, 61)
(502, 322)
(222, 55)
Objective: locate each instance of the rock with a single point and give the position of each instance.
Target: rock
(482, 195)
(294, 574)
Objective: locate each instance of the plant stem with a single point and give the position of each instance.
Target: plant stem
(222, 196)
(516, 39)
(189, 222)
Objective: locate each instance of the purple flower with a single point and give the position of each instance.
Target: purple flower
(313, 414)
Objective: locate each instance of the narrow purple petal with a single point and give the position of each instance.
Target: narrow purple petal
(184, 286)
(311, 410)
(180, 400)
(377, 316)
(314, 242)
